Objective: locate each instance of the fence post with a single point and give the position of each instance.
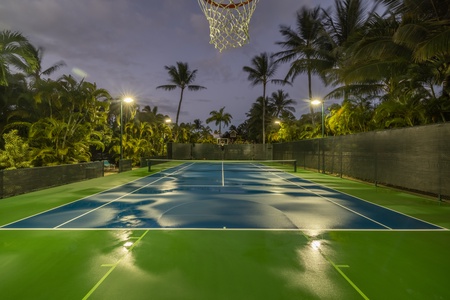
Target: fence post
(341, 158)
(376, 169)
(318, 155)
(1, 184)
(322, 141)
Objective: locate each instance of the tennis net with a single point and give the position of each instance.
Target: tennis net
(228, 165)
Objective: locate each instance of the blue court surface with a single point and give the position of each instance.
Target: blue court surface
(219, 195)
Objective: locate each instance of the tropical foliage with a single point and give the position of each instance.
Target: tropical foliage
(17, 152)
(219, 117)
(386, 62)
(261, 72)
(180, 76)
(305, 48)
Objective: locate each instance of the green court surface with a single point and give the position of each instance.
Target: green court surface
(224, 264)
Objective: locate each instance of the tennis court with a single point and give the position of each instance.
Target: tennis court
(239, 195)
(221, 230)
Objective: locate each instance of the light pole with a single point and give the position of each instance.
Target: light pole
(278, 125)
(317, 102)
(168, 121)
(126, 100)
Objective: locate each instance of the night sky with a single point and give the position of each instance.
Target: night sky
(123, 46)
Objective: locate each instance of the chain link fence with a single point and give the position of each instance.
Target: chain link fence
(215, 152)
(416, 158)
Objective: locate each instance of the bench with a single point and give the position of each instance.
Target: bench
(107, 166)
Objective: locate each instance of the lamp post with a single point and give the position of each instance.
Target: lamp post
(126, 100)
(279, 127)
(168, 121)
(317, 102)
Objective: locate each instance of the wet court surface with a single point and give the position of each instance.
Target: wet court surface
(222, 196)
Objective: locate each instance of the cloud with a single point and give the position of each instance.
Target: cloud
(123, 46)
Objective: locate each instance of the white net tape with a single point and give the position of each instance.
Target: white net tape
(228, 21)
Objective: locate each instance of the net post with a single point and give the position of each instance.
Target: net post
(295, 166)
(149, 165)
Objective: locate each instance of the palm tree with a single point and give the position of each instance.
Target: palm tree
(253, 123)
(219, 117)
(181, 77)
(353, 116)
(342, 28)
(425, 30)
(137, 140)
(79, 120)
(14, 51)
(185, 133)
(150, 115)
(37, 73)
(16, 103)
(198, 126)
(281, 103)
(305, 48)
(375, 69)
(262, 70)
(404, 53)
(43, 89)
(402, 111)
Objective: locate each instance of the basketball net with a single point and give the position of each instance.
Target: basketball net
(228, 21)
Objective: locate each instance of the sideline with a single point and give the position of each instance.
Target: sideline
(113, 266)
(335, 266)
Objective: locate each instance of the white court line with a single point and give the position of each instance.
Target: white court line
(372, 203)
(86, 213)
(321, 230)
(223, 176)
(340, 205)
(77, 200)
(334, 202)
(172, 208)
(223, 184)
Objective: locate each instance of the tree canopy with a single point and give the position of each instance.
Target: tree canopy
(387, 64)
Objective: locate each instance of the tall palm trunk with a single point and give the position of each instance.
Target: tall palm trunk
(264, 114)
(178, 115)
(311, 108)
(179, 105)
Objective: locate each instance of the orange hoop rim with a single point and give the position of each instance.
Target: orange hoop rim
(230, 6)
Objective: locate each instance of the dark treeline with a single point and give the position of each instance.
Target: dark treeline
(386, 62)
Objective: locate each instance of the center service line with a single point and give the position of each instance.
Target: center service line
(223, 176)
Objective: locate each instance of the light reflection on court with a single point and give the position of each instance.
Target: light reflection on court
(209, 196)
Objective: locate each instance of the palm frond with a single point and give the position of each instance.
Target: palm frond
(437, 44)
(195, 87)
(167, 87)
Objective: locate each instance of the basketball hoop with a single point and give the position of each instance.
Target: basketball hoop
(222, 141)
(228, 21)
